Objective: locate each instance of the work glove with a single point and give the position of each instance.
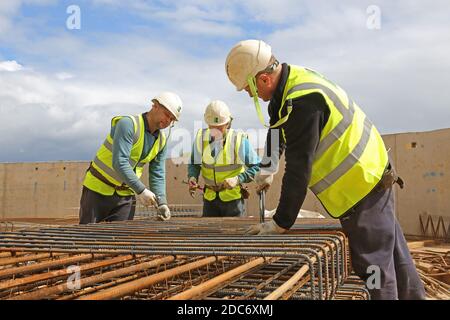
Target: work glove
(192, 184)
(265, 228)
(230, 183)
(147, 198)
(263, 180)
(163, 212)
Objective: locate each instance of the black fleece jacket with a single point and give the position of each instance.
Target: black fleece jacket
(309, 115)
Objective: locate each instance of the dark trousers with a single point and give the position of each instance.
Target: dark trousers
(376, 239)
(95, 207)
(219, 208)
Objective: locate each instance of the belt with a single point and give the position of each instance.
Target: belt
(215, 188)
(388, 179)
(100, 177)
(244, 192)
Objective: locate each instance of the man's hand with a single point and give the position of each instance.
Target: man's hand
(163, 212)
(147, 198)
(231, 183)
(263, 181)
(265, 228)
(193, 185)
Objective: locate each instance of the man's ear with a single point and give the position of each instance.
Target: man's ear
(156, 106)
(265, 78)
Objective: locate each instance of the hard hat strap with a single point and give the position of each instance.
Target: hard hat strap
(229, 123)
(286, 117)
(254, 91)
(170, 130)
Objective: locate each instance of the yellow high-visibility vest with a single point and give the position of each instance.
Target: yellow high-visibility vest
(351, 156)
(103, 160)
(226, 164)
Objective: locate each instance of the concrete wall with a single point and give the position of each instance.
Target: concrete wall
(423, 161)
(40, 189)
(52, 189)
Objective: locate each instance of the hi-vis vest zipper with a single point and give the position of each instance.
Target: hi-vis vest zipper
(351, 156)
(103, 159)
(225, 164)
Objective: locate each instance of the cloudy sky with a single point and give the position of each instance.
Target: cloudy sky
(62, 79)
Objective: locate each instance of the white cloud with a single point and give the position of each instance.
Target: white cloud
(198, 10)
(61, 122)
(395, 73)
(288, 12)
(10, 8)
(10, 66)
(76, 82)
(198, 17)
(117, 78)
(64, 76)
(201, 27)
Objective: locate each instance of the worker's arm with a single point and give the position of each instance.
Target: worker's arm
(306, 121)
(195, 165)
(251, 160)
(123, 134)
(157, 176)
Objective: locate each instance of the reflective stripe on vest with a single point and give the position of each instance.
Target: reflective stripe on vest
(108, 145)
(103, 159)
(225, 164)
(354, 155)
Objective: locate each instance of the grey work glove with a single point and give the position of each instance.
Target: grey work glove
(147, 198)
(193, 185)
(231, 183)
(265, 228)
(163, 212)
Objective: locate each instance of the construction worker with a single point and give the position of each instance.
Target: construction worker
(226, 161)
(112, 184)
(335, 150)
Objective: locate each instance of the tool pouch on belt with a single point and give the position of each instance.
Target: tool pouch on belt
(389, 178)
(100, 177)
(244, 192)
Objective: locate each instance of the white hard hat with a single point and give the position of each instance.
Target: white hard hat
(245, 59)
(217, 113)
(171, 102)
